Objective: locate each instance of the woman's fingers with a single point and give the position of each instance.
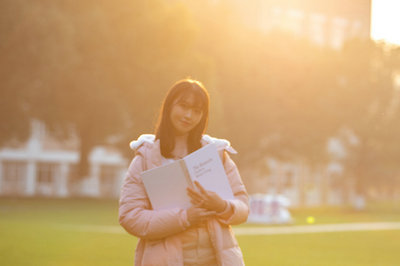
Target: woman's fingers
(197, 214)
(196, 203)
(192, 191)
(200, 187)
(208, 213)
(204, 213)
(206, 199)
(195, 197)
(194, 194)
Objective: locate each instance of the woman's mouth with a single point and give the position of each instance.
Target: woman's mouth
(185, 123)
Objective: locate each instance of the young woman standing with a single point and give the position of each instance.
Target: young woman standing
(201, 234)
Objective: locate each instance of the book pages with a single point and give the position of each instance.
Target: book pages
(166, 186)
(205, 166)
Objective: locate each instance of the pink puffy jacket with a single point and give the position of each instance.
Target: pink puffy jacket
(158, 231)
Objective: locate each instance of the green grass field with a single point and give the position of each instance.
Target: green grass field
(43, 231)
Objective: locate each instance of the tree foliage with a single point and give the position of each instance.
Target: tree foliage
(99, 67)
(285, 97)
(103, 68)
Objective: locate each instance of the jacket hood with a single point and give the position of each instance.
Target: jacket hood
(145, 138)
(222, 144)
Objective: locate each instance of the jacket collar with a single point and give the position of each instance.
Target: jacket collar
(150, 147)
(156, 153)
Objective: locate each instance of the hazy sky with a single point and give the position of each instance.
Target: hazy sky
(386, 20)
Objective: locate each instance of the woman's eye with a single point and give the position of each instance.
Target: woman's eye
(183, 105)
(197, 110)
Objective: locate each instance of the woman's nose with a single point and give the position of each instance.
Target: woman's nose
(188, 113)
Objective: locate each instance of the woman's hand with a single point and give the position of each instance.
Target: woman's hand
(196, 214)
(206, 199)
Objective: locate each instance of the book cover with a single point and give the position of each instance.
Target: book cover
(166, 185)
(206, 167)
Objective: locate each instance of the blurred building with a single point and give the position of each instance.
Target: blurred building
(325, 23)
(310, 185)
(304, 185)
(328, 23)
(44, 166)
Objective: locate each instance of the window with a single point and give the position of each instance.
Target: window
(272, 19)
(338, 32)
(356, 27)
(317, 29)
(73, 172)
(45, 172)
(335, 181)
(14, 177)
(45, 178)
(294, 22)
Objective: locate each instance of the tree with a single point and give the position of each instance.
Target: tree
(97, 67)
(372, 112)
(275, 98)
(285, 97)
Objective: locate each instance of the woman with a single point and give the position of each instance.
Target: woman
(201, 234)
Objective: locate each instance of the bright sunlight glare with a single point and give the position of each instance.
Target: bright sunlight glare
(385, 20)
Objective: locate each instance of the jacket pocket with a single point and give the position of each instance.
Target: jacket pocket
(155, 253)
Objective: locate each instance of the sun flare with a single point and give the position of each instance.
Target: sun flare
(385, 20)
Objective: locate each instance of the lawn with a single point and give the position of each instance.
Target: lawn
(46, 232)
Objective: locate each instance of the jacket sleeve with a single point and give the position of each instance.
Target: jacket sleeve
(237, 210)
(136, 215)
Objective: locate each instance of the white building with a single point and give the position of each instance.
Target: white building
(311, 185)
(304, 185)
(324, 23)
(44, 167)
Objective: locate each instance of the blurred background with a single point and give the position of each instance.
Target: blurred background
(307, 91)
(299, 87)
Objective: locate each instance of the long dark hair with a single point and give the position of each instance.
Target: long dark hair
(164, 129)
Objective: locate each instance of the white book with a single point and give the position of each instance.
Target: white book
(166, 185)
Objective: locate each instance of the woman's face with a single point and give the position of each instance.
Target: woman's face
(185, 115)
